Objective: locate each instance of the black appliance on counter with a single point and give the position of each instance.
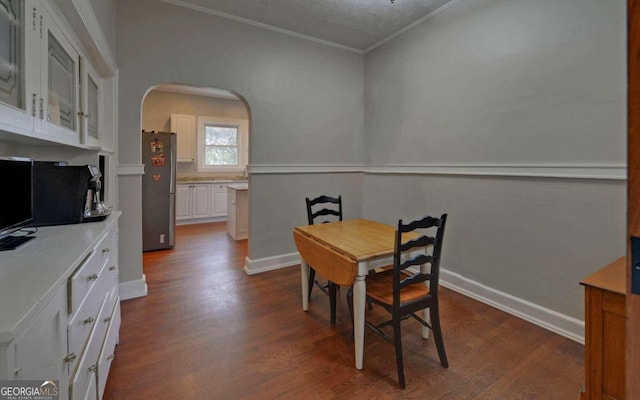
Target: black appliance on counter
(65, 194)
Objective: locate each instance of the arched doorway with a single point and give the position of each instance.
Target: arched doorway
(211, 129)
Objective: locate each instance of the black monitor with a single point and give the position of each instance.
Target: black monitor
(16, 200)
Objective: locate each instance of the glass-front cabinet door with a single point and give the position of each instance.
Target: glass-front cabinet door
(16, 111)
(61, 86)
(90, 104)
(11, 42)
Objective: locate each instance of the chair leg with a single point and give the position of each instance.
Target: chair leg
(437, 334)
(350, 304)
(312, 278)
(333, 288)
(397, 338)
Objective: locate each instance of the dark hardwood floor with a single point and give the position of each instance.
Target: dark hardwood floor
(207, 330)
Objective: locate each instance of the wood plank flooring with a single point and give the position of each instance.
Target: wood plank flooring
(207, 330)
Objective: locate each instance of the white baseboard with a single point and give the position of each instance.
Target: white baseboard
(133, 289)
(253, 267)
(563, 325)
(553, 321)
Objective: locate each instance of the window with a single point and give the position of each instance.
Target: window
(220, 145)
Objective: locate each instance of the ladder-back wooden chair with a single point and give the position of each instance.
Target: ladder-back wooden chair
(320, 210)
(403, 293)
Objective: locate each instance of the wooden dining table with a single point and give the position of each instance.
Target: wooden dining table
(344, 252)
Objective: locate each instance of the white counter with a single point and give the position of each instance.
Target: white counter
(31, 274)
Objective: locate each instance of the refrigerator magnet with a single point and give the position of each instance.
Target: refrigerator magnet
(158, 161)
(157, 146)
(156, 177)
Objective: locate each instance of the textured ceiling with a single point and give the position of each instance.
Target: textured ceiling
(357, 24)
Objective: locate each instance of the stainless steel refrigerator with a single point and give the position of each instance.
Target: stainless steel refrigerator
(158, 190)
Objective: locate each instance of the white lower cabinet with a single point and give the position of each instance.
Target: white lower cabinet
(218, 199)
(40, 351)
(72, 338)
(201, 202)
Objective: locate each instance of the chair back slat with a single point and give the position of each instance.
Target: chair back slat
(424, 223)
(419, 260)
(414, 279)
(327, 211)
(422, 241)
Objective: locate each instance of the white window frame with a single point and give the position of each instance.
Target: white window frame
(243, 143)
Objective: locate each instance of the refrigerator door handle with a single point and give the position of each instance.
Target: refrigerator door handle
(172, 220)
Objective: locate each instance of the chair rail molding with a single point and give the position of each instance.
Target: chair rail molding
(550, 170)
(130, 169)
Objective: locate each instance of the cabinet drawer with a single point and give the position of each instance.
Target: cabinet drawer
(85, 375)
(87, 316)
(87, 274)
(108, 349)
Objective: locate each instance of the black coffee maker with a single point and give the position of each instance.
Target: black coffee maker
(66, 194)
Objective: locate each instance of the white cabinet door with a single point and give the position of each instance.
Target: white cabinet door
(185, 128)
(218, 200)
(59, 89)
(90, 104)
(183, 202)
(40, 352)
(200, 202)
(18, 101)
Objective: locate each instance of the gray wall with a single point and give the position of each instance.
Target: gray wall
(105, 11)
(305, 102)
(491, 82)
(494, 81)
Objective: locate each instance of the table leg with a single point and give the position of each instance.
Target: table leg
(359, 300)
(304, 273)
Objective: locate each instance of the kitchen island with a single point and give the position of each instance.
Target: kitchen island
(238, 210)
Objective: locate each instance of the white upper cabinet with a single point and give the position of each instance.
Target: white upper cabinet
(185, 128)
(17, 112)
(90, 105)
(48, 88)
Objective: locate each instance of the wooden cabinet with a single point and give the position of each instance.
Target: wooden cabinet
(185, 128)
(605, 317)
(64, 324)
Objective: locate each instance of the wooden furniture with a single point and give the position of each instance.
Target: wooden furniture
(238, 211)
(404, 293)
(605, 316)
(60, 307)
(320, 215)
(344, 252)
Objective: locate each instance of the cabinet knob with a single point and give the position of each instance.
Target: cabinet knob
(111, 356)
(17, 371)
(92, 277)
(112, 268)
(88, 320)
(106, 250)
(93, 368)
(70, 358)
(107, 319)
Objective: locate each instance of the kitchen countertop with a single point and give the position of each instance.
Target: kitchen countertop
(238, 186)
